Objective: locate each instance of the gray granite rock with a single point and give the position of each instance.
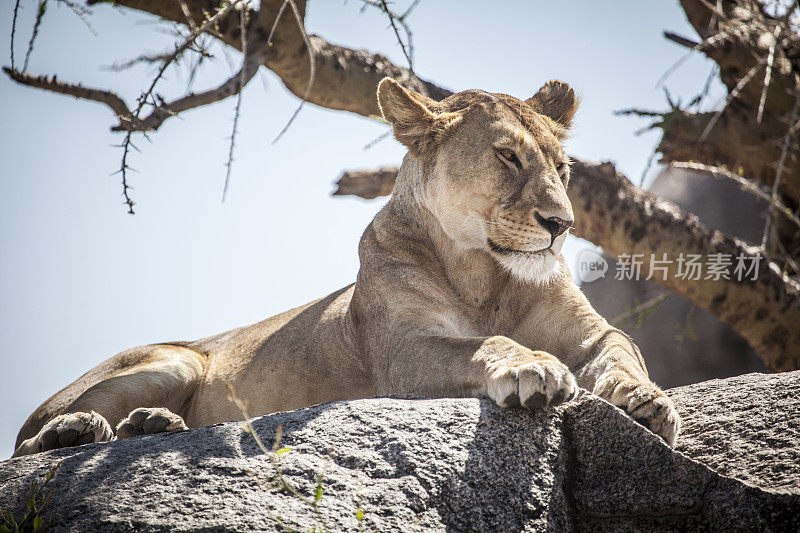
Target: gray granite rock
(746, 427)
(446, 464)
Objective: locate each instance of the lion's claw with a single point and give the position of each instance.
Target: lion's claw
(536, 384)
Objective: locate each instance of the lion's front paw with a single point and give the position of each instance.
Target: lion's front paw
(539, 383)
(147, 420)
(647, 404)
(71, 429)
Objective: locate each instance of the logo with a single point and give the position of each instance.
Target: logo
(591, 266)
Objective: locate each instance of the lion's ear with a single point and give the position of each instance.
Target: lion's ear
(416, 122)
(556, 100)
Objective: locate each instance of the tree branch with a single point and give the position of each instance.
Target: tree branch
(367, 184)
(612, 212)
(229, 87)
(754, 48)
(623, 219)
(735, 142)
(111, 99)
(345, 78)
(678, 39)
(162, 111)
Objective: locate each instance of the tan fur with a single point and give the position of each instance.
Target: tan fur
(462, 291)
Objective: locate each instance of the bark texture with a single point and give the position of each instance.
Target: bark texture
(738, 37)
(754, 133)
(344, 79)
(627, 220)
(367, 184)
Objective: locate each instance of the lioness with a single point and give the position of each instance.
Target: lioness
(462, 291)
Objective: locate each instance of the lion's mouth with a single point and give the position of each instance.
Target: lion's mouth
(509, 251)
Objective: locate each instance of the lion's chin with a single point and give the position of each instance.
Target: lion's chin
(538, 269)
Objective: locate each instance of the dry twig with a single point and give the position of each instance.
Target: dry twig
(779, 172)
(640, 309)
(732, 95)
(242, 81)
(746, 185)
(40, 11)
(14, 31)
(143, 98)
(768, 74)
(407, 52)
(311, 65)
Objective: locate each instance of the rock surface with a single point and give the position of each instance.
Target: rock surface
(445, 464)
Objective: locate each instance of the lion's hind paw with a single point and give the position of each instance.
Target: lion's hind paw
(70, 429)
(149, 420)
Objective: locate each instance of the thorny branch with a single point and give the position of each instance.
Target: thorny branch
(188, 14)
(408, 51)
(14, 31)
(693, 47)
(345, 79)
(156, 58)
(746, 137)
(768, 75)
(311, 63)
(195, 68)
(246, 73)
(163, 110)
(81, 12)
(730, 98)
(112, 100)
(256, 51)
(133, 120)
(40, 11)
(130, 121)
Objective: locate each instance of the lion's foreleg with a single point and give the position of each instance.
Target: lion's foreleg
(615, 371)
(494, 367)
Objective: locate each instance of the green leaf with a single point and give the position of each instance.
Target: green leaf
(31, 503)
(38, 522)
(360, 515)
(318, 496)
(283, 450)
(5, 529)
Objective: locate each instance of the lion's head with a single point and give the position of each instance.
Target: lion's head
(494, 172)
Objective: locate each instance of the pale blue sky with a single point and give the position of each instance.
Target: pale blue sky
(81, 280)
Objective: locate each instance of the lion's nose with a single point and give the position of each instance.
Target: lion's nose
(556, 226)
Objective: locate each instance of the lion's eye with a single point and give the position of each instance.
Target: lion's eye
(510, 157)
